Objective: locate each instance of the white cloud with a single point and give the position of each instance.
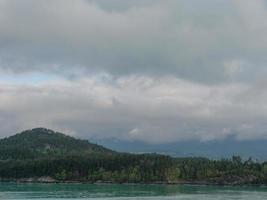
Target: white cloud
(234, 67)
(132, 107)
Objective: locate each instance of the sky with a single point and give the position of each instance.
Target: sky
(152, 70)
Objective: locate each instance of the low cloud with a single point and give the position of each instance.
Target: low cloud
(144, 108)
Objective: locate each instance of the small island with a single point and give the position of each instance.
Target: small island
(42, 155)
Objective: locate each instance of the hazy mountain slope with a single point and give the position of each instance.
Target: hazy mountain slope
(42, 142)
(211, 149)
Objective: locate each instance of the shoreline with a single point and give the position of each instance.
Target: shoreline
(193, 183)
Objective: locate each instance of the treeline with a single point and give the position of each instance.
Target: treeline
(225, 171)
(92, 168)
(147, 168)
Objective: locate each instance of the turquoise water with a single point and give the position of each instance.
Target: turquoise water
(128, 192)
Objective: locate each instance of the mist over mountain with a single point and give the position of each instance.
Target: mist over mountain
(42, 142)
(216, 149)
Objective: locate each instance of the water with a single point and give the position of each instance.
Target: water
(128, 192)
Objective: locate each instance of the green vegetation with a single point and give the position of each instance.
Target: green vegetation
(44, 153)
(40, 143)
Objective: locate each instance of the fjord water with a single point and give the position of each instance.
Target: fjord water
(128, 192)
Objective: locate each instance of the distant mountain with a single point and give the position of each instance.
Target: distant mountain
(41, 142)
(210, 149)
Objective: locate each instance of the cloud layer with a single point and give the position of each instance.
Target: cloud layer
(133, 107)
(193, 40)
(154, 70)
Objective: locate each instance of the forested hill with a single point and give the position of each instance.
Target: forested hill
(44, 155)
(41, 142)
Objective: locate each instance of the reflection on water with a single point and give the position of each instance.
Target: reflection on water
(128, 192)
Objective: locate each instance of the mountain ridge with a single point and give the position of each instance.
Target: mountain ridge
(42, 142)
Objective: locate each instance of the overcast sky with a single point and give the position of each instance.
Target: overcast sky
(150, 70)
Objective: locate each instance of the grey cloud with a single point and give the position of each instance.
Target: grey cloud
(154, 70)
(190, 39)
(146, 108)
(122, 6)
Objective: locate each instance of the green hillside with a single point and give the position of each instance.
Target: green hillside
(44, 155)
(41, 142)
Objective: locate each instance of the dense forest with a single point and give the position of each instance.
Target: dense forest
(44, 153)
